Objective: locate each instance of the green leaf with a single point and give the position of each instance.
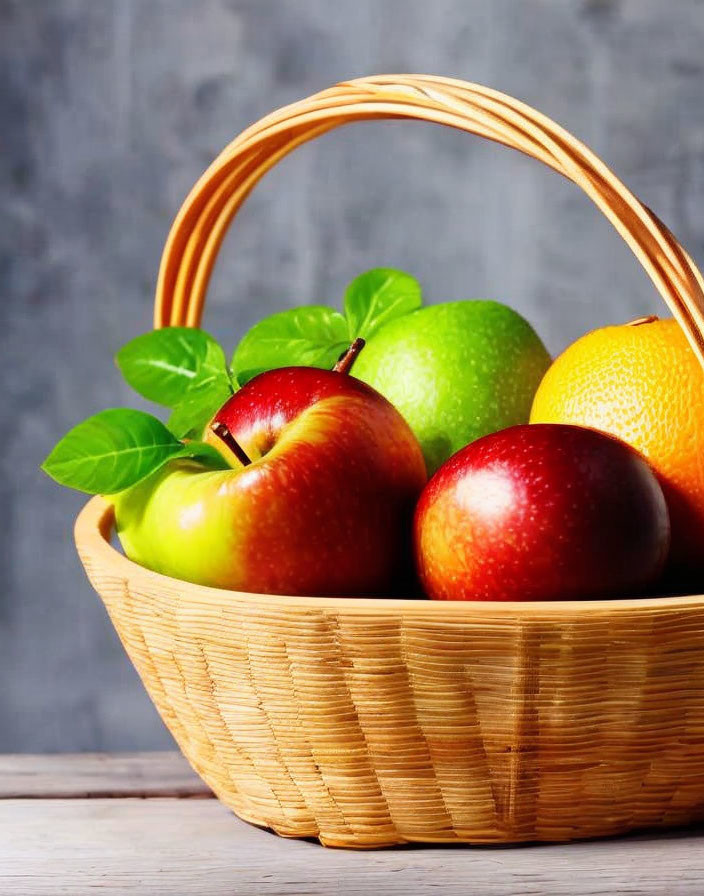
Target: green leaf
(111, 451)
(199, 406)
(116, 449)
(163, 364)
(206, 454)
(375, 298)
(311, 336)
(213, 367)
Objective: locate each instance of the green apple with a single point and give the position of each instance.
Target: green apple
(456, 372)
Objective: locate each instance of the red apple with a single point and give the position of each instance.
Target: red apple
(541, 512)
(325, 476)
(322, 505)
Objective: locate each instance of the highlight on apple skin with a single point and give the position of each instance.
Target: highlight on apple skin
(457, 371)
(324, 506)
(542, 512)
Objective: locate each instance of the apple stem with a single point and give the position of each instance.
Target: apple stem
(222, 432)
(347, 359)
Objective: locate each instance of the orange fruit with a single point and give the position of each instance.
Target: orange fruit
(642, 383)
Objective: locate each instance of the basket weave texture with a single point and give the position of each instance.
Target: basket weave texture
(369, 722)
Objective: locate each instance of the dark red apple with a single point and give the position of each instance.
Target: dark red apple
(541, 512)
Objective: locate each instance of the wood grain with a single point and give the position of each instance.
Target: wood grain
(198, 848)
(75, 775)
(174, 847)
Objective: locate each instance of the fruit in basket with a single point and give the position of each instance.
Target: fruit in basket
(456, 371)
(319, 500)
(643, 383)
(541, 512)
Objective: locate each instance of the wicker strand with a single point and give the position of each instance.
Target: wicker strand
(368, 722)
(197, 233)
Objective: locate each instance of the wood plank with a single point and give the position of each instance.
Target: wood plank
(81, 775)
(165, 846)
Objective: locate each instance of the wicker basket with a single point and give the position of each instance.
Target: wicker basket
(369, 722)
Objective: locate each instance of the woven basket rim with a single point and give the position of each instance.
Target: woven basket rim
(95, 523)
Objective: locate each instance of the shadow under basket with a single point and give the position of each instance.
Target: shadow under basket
(369, 722)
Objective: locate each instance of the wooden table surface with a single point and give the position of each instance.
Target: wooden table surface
(144, 823)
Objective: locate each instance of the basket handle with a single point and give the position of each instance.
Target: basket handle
(197, 233)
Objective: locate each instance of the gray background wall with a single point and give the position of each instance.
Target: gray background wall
(110, 109)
